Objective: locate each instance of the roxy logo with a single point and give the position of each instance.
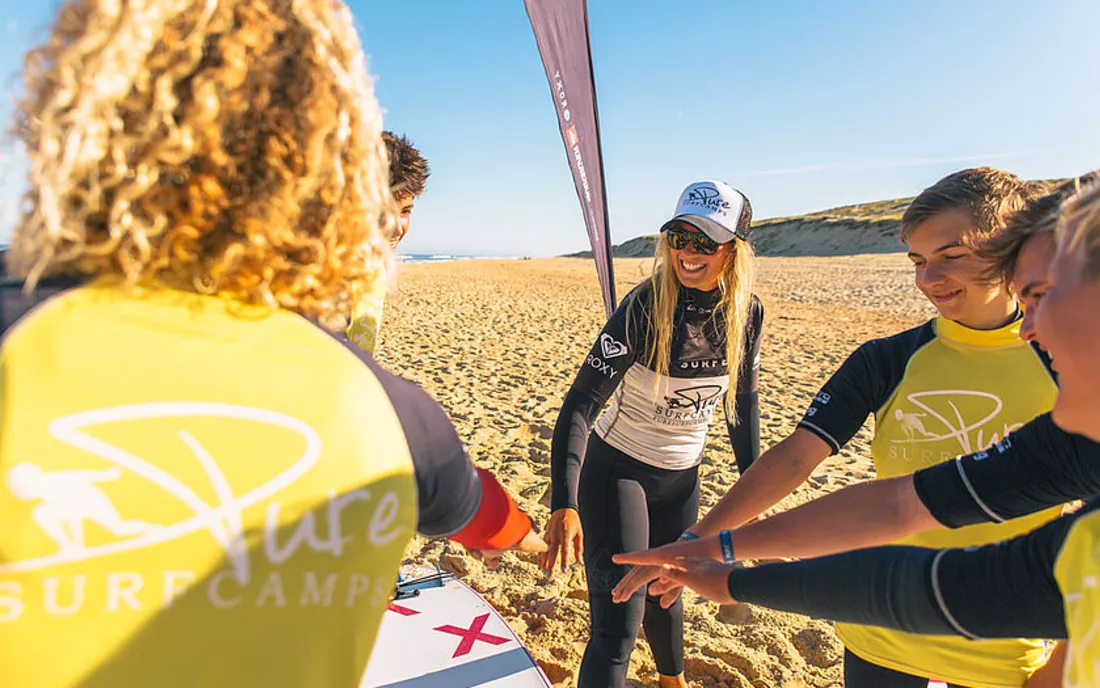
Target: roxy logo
(64, 502)
(707, 197)
(600, 365)
(559, 91)
(611, 348)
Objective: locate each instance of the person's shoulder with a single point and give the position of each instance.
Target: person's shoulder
(641, 290)
(16, 301)
(756, 306)
(906, 342)
(638, 299)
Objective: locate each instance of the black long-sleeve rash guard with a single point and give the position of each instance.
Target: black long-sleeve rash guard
(659, 420)
(1037, 467)
(1005, 590)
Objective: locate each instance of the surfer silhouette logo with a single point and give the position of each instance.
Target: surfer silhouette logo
(911, 424)
(610, 347)
(694, 397)
(966, 416)
(68, 499)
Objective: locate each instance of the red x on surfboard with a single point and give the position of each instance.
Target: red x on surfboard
(403, 611)
(471, 635)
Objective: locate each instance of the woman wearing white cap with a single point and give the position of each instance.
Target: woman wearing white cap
(671, 351)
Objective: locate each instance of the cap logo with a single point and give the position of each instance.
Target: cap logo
(707, 197)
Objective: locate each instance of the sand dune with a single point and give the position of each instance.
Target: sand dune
(498, 343)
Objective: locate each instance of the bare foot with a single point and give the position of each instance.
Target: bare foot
(671, 681)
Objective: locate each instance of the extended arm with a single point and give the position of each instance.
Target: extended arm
(744, 430)
(1006, 590)
(612, 355)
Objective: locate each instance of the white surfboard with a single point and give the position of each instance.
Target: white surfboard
(447, 635)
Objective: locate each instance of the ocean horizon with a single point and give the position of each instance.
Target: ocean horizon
(445, 257)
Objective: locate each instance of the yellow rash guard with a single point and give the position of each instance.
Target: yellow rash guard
(938, 391)
(366, 317)
(1078, 574)
(196, 493)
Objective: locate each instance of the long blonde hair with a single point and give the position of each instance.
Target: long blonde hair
(735, 284)
(231, 147)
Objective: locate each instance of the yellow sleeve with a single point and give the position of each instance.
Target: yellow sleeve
(366, 317)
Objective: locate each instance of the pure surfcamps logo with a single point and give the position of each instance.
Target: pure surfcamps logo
(707, 196)
(77, 520)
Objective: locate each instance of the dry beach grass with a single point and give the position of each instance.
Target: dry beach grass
(498, 343)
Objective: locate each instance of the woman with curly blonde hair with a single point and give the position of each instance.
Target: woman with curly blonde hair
(203, 484)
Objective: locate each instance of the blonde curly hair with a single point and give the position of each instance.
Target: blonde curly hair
(231, 147)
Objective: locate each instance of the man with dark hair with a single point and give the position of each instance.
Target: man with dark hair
(408, 175)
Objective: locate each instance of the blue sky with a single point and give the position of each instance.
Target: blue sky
(803, 105)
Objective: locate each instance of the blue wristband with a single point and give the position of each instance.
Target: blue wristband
(725, 538)
(689, 536)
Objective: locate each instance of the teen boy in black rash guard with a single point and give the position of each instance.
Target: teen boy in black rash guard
(1045, 583)
(670, 353)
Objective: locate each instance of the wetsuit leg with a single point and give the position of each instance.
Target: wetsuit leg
(613, 513)
(859, 673)
(673, 507)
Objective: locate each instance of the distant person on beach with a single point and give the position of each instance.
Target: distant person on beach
(954, 385)
(408, 176)
(1043, 583)
(679, 344)
(202, 483)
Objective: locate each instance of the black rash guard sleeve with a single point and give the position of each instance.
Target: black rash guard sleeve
(862, 385)
(1037, 467)
(1005, 590)
(603, 370)
(15, 303)
(744, 430)
(449, 490)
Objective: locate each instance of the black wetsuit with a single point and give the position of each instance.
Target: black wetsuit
(996, 591)
(639, 486)
(1020, 587)
(1034, 468)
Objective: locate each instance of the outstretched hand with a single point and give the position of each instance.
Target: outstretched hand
(531, 542)
(648, 568)
(635, 579)
(564, 537)
(707, 577)
(670, 553)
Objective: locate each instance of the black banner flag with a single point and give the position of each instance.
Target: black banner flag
(561, 31)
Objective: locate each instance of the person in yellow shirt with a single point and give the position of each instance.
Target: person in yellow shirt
(409, 173)
(1043, 583)
(957, 384)
(201, 482)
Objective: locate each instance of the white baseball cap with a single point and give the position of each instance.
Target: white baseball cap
(715, 209)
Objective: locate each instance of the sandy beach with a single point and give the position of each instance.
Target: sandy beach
(498, 343)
